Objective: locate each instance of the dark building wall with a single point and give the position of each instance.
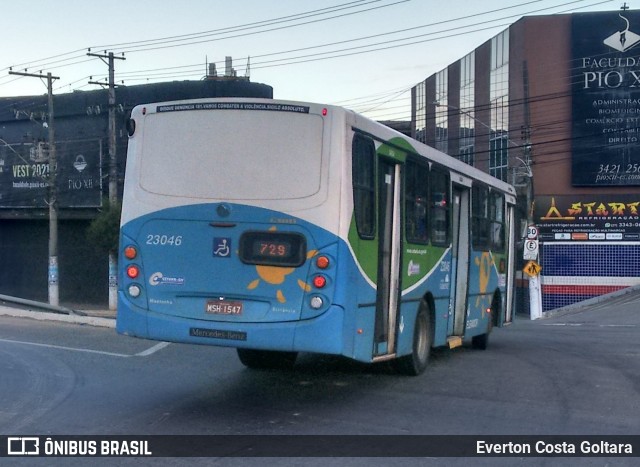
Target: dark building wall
(547, 53)
(24, 259)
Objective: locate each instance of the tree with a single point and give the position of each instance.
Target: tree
(104, 230)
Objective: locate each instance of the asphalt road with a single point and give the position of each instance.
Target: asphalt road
(575, 373)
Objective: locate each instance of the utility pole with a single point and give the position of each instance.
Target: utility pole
(535, 282)
(53, 272)
(113, 168)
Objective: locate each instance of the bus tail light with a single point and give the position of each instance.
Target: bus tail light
(130, 252)
(319, 282)
(133, 271)
(322, 262)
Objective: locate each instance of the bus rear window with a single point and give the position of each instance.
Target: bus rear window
(232, 155)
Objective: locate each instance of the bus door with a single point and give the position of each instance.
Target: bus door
(459, 260)
(508, 313)
(389, 233)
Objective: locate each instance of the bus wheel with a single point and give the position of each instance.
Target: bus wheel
(267, 359)
(481, 342)
(416, 362)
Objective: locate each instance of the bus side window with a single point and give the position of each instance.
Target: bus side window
(496, 215)
(439, 205)
(416, 192)
(480, 218)
(363, 176)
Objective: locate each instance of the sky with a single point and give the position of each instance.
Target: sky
(361, 54)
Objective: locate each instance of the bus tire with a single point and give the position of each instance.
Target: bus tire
(416, 362)
(267, 359)
(481, 342)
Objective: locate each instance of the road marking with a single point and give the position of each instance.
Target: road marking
(152, 350)
(144, 353)
(561, 324)
(596, 325)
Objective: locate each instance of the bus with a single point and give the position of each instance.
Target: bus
(281, 227)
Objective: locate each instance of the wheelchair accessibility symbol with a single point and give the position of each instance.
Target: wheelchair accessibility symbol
(222, 247)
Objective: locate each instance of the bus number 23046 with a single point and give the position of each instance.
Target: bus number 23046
(164, 240)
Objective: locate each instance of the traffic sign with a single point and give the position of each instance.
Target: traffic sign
(532, 232)
(532, 269)
(531, 249)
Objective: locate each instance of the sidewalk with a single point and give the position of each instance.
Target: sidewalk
(96, 316)
(45, 312)
(96, 313)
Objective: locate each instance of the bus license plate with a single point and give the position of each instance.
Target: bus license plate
(222, 307)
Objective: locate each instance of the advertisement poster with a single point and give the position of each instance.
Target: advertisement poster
(25, 175)
(606, 99)
(588, 218)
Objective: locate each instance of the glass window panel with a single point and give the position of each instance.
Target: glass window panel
(442, 111)
(363, 171)
(440, 206)
(467, 110)
(499, 97)
(416, 191)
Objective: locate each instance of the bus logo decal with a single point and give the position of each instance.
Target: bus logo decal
(157, 278)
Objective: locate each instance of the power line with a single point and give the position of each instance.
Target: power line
(315, 12)
(449, 32)
(242, 27)
(279, 28)
(73, 55)
(169, 72)
(381, 34)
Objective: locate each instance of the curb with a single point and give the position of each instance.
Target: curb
(580, 306)
(84, 317)
(49, 316)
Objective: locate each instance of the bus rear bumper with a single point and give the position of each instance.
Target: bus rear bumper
(322, 334)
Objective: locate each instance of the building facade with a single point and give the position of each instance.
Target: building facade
(552, 105)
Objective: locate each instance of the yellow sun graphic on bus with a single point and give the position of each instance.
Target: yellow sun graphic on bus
(276, 275)
(484, 263)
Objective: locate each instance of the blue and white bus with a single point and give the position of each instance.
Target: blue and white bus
(282, 227)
